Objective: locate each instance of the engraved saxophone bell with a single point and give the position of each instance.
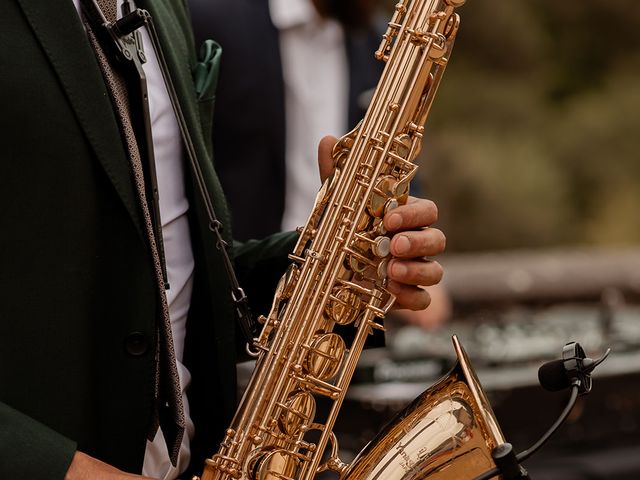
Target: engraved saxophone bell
(448, 432)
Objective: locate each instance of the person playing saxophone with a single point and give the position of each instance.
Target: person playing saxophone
(79, 307)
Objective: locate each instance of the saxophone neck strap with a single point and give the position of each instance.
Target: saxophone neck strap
(123, 41)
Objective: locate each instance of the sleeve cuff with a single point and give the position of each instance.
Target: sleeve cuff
(29, 449)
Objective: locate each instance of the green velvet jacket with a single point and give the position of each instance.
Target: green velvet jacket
(77, 298)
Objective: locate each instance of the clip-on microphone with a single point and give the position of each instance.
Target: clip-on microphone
(574, 370)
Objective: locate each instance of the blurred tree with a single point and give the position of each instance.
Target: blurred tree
(534, 136)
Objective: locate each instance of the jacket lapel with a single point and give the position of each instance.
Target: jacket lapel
(58, 29)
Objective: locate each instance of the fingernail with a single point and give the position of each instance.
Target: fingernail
(394, 221)
(399, 269)
(402, 245)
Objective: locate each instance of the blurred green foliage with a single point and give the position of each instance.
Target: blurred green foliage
(534, 136)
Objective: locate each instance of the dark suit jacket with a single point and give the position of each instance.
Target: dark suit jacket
(249, 125)
(78, 306)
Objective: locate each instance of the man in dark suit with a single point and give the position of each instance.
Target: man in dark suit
(79, 306)
(251, 99)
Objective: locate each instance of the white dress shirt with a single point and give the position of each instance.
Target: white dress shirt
(174, 205)
(315, 70)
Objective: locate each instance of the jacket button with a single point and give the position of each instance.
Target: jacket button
(136, 344)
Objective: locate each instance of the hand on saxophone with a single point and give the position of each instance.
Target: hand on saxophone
(412, 241)
(84, 467)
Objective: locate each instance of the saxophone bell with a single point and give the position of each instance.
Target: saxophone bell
(449, 431)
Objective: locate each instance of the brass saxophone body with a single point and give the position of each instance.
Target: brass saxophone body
(338, 277)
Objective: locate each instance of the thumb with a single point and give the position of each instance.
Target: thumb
(325, 159)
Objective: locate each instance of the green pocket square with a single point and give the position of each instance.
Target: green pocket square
(205, 74)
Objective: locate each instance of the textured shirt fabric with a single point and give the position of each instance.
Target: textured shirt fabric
(177, 246)
(315, 71)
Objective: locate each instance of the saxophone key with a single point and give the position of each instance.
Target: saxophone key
(378, 227)
(381, 247)
(297, 412)
(381, 270)
(324, 356)
(393, 28)
(386, 189)
(343, 306)
(402, 145)
(391, 204)
(358, 262)
(363, 222)
(278, 464)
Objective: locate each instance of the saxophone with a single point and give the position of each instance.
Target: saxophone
(337, 281)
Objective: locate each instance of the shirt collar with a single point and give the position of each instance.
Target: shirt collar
(292, 13)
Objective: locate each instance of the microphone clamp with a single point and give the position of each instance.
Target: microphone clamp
(578, 366)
